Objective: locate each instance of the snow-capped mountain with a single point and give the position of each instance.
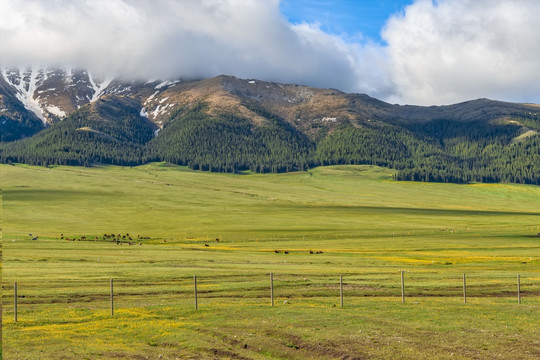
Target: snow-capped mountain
(68, 116)
(52, 94)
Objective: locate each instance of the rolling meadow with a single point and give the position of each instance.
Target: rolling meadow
(232, 231)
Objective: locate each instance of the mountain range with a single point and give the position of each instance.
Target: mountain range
(70, 116)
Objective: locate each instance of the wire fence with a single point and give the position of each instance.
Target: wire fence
(266, 289)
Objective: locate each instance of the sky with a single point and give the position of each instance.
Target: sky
(353, 20)
(424, 52)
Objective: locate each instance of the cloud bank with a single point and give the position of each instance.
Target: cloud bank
(435, 53)
(464, 49)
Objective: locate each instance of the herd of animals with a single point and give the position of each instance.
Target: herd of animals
(121, 239)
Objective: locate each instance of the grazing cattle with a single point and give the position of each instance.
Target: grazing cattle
(286, 252)
(35, 238)
(311, 251)
(276, 251)
(217, 239)
(206, 245)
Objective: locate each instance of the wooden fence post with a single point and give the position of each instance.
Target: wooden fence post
(272, 288)
(15, 300)
(519, 292)
(112, 298)
(195, 291)
(341, 289)
(402, 288)
(464, 289)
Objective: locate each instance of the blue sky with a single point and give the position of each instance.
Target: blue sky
(355, 20)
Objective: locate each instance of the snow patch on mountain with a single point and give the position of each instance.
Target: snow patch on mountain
(151, 97)
(55, 110)
(25, 84)
(98, 88)
(156, 111)
(143, 113)
(166, 83)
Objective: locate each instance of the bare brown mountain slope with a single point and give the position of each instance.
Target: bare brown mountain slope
(53, 94)
(311, 110)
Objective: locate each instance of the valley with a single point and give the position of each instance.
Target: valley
(366, 226)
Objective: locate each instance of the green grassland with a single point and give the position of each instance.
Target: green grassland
(364, 225)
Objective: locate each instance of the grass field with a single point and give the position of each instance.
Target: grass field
(367, 226)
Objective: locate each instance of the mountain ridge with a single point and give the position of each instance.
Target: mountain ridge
(230, 124)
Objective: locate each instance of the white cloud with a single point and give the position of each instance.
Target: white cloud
(188, 38)
(437, 53)
(451, 51)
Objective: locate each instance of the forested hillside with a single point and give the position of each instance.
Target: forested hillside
(229, 125)
(230, 143)
(109, 131)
